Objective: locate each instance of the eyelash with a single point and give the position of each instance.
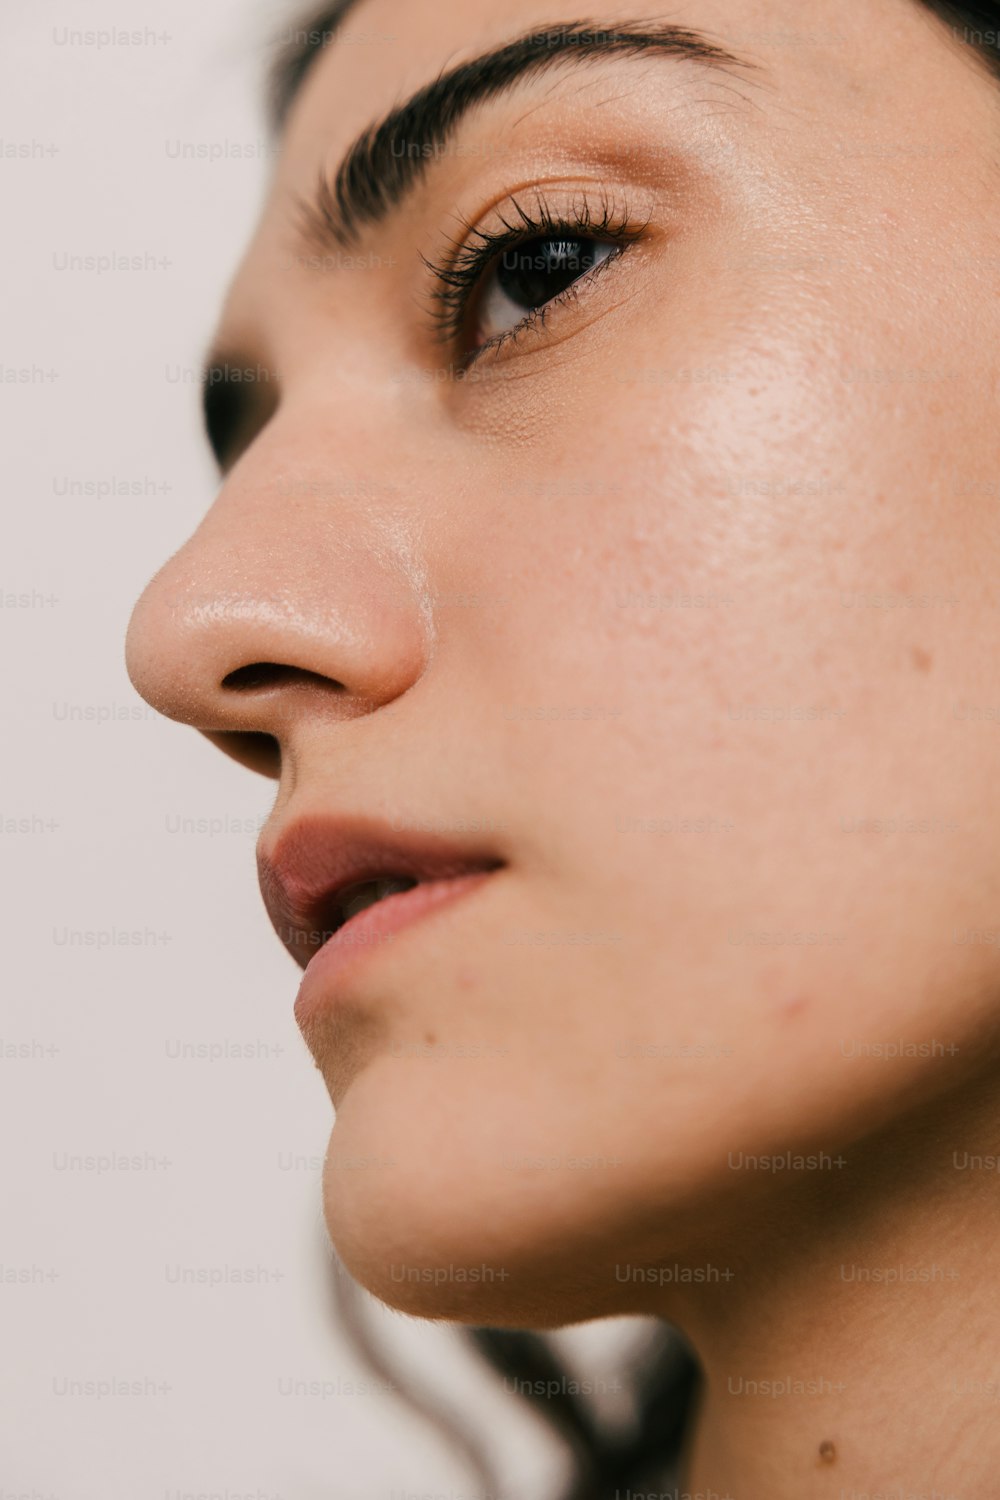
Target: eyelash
(459, 273)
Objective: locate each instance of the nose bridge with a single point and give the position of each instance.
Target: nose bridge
(307, 571)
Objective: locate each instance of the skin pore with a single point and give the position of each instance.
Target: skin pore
(683, 596)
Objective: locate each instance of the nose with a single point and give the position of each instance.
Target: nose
(301, 592)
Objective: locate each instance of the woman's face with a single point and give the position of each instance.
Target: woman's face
(678, 602)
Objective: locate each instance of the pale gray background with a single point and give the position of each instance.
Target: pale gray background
(99, 389)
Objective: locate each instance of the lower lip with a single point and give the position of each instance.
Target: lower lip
(371, 932)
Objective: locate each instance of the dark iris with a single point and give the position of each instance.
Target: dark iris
(534, 272)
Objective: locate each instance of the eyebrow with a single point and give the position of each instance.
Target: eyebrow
(389, 158)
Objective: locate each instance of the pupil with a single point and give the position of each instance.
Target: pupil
(533, 273)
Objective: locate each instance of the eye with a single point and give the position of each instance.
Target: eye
(527, 276)
(502, 279)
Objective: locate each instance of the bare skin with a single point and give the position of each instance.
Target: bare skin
(688, 594)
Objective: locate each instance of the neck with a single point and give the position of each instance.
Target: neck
(856, 1352)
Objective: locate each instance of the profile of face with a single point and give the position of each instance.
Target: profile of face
(608, 537)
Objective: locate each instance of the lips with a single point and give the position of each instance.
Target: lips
(323, 877)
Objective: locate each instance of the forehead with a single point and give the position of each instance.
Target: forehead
(383, 50)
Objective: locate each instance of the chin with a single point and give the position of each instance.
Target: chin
(414, 1258)
(419, 1222)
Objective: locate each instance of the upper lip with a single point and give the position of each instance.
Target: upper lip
(314, 862)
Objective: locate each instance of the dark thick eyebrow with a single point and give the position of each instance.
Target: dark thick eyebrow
(388, 158)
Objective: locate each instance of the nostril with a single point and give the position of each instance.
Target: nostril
(268, 674)
(259, 674)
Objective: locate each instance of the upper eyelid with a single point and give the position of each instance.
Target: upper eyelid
(493, 222)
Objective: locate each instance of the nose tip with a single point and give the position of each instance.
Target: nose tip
(237, 638)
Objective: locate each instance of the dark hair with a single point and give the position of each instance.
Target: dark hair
(665, 1378)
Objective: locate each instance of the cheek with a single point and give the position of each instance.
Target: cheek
(703, 526)
(735, 588)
